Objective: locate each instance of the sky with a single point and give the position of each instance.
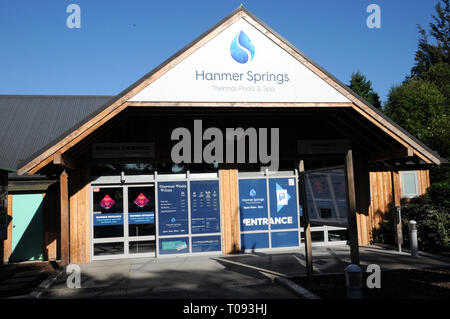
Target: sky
(119, 41)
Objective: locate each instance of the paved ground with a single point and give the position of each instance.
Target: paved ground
(19, 279)
(237, 276)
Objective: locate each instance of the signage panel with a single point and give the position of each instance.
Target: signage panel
(206, 244)
(250, 241)
(283, 203)
(172, 208)
(326, 197)
(123, 150)
(253, 204)
(205, 207)
(178, 245)
(141, 218)
(240, 64)
(108, 219)
(284, 239)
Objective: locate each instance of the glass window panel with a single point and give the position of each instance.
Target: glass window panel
(409, 183)
(139, 247)
(108, 212)
(337, 235)
(104, 249)
(141, 211)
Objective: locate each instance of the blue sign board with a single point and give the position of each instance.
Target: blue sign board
(283, 203)
(141, 218)
(172, 208)
(253, 204)
(284, 239)
(108, 219)
(251, 241)
(205, 207)
(206, 244)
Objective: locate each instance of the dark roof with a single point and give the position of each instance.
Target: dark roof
(28, 123)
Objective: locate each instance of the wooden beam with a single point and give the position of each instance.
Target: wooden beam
(241, 104)
(64, 229)
(64, 160)
(307, 225)
(351, 204)
(392, 154)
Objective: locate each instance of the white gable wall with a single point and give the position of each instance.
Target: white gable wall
(205, 75)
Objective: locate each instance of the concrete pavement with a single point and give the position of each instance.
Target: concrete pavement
(235, 276)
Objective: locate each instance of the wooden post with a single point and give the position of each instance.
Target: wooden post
(396, 217)
(307, 225)
(64, 202)
(351, 201)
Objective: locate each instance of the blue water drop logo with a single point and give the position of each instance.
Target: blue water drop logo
(252, 192)
(242, 49)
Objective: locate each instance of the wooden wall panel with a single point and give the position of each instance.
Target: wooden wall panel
(229, 210)
(363, 220)
(385, 189)
(79, 216)
(7, 244)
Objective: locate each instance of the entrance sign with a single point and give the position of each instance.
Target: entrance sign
(240, 64)
(172, 208)
(253, 204)
(205, 207)
(326, 197)
(264, 228)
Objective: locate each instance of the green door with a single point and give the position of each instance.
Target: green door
(27, 234)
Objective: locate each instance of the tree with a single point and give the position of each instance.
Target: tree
(429, 54)
(416, 105)
(363, 87)
(439, 75)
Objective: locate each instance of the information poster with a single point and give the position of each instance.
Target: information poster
(326, 197)
(108, 219)
(172, 208)
(178, 245)
(205, 207)
(283, 203)
(253, 204)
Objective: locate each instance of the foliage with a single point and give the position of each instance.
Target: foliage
(415, 105)
(430, 54)
(433, 224)
(363, 87)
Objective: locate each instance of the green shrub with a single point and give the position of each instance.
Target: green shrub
(433, 224)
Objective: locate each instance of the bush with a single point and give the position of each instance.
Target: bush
(432, 214)
(433, 224)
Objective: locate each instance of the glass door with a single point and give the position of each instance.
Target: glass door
(123, 221)
(141, 220)
(108, 221)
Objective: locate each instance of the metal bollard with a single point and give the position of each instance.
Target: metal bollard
(413, 238)
(353, 281)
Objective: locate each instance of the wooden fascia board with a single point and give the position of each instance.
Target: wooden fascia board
(241, 104)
